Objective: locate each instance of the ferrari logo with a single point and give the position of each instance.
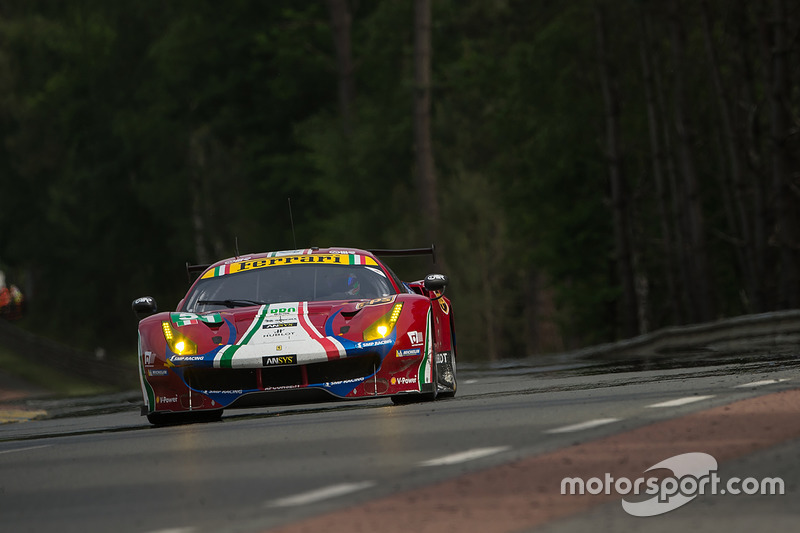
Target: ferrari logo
(279, 347)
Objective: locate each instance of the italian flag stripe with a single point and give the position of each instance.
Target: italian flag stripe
(426, 373)
(225, 355)
(333, 350)
(255, 325)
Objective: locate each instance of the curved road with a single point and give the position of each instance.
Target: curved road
(491, 459)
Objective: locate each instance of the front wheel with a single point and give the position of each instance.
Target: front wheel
(446, 372)
(405, 399)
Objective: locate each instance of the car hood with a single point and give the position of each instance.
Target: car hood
(307, 331)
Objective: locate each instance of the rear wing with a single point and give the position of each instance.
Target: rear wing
(192, 271)
(406, 252)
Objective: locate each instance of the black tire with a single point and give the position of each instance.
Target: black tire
(452, 383)
(192, 417)
(420, 397)
(431, 396)
(405, 399)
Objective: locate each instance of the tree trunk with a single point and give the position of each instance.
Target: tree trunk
(628, 313)
(341, 21)
(425, 167)
(676, 218)
(487, 295)
(786, 204)
(740, 224)
(198, 168)
(540, 330)
(751, 141)
(697, 260)
(658, 159)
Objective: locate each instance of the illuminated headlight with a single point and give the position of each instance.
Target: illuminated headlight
(178, 343)
(181, 347)
(384, 325)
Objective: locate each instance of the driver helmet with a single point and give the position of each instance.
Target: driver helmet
(353, 286)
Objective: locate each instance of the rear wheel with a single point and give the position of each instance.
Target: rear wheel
(189, 417)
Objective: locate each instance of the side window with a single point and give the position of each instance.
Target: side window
(401, 285)
(408, 288)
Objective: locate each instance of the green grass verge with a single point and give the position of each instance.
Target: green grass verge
(44, 377)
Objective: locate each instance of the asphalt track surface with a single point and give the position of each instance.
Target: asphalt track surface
(490, 460)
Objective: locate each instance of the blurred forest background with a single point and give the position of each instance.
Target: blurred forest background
(589, 170)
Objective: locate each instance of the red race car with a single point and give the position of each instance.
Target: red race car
(296, 326)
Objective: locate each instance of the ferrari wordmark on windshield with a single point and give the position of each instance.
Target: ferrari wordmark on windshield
(315, 259)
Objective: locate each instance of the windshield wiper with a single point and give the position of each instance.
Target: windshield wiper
(231, 303)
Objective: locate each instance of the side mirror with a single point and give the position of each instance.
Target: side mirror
(144, 307)
(435, 282)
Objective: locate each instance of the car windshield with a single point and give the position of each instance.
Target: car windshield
(290, 283)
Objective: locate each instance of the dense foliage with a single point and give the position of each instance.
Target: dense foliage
(604, 168)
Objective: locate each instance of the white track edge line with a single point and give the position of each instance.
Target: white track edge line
(589, 424)
(463, 457)
(324, 493)
(677, 402)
